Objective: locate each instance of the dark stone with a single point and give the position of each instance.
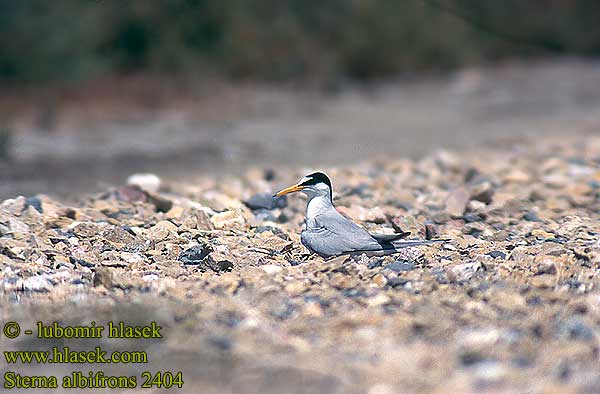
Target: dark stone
(484, 195)
(559, 239)
(472, 217)
(374, 264)
(314, 298)
(354, 293)
(498, 226)
(284, 311)
(594, 184)
(400, 266)
(471, 175)
(81, 262)
(475, 232)
(470, 358)
(266, 201)
(534, 301)
(194, 255)
(34, 202)
(229, 319)
(103, 276)
(522, 362)
(431, 231)
(397, 281)
(532, 216)
(162, 204)
(223, 266)
(564, 371)
(440, 276)
(221, 342)
(496, 253)
(283, 218)
(269, 174)
(577, 329)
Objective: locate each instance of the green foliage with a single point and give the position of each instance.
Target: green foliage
(70, 40)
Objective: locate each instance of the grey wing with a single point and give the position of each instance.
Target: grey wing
(341, 235)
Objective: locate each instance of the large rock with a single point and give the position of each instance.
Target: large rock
(457, 201)
(233, 219)
(266, 201)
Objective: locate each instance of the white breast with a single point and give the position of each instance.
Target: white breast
(316, 205)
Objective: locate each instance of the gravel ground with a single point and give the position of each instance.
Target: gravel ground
(511, 304)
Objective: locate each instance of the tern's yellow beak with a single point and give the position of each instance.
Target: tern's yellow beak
(291, 189)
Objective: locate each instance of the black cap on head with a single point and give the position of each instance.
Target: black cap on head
(315, 178)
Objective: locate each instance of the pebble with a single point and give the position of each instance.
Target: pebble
(378, 300)
(269, 241)
(539, 233)
(38, 283)
(483, 192)
(380, 280)
(195, 255)
(313, 309)
(271, 269)
(546, 265)
(148, 182)
(517, 176)
(342, 281)
(400, 266)
(472, 217)
(297, 287)
(35, 203)
(544, 281)
(222, 266)
(103, 276)
(497, 254)
(397, 281)
(162, 230)
(531, 216)
(464, 272)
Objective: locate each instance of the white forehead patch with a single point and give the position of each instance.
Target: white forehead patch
(305, 179)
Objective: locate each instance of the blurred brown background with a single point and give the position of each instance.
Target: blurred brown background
(92, 91)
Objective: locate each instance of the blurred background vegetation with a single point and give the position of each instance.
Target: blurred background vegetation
(76, 40)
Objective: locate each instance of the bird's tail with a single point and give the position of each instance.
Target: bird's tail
(416, 242)
(398, 246)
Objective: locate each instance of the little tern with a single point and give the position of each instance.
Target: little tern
(329, 233)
